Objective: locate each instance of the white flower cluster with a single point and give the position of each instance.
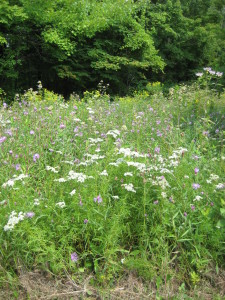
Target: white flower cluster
(95, 141)
(61, 204)
(128, 152)
(73, 192)
(48, 168)
(220, 186)
(79, 177)
(129, 187)
(13, 220)
(197, 198)
(115, 133)
(212, 177)
(140, 166)
(104, 173)
(11, 182)
(128, 174)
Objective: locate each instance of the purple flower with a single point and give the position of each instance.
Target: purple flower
(98, 199)
(85, 221)
(192, 207)
(62, 126)
(36, 157)
(185, 214)
(196, 186)
(31, 132)
(10, 152)
(2, 139)
(17, 167)
(30, 214)
(74, 257)
(156, 202)
(5, 105)
(157, 150)
(196, 171)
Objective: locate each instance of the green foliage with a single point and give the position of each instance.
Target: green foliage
(152, 202)
(70, 46)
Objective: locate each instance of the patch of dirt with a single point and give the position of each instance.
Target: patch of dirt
(38, 286)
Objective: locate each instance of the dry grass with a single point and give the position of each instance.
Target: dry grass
(38, 286)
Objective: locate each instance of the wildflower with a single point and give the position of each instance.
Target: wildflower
(219, 74)
(62, 126)
(128, 174)
(30, 214)
(73, 192)
(197, 198)
(2, 139)
(74, 257)
(104, 173)
(196, 186)
(13, 220)
(31, 132)
(36, 157)
(164, 195)
(199, 74)
(185, 214)
(115, 197)
(85, 221)
(156, 202)
(192, 207)
(196, 171)
(220, 186)
(61, 204)
(17, 167)
(129, 187)
(98, 199)
(157, 150)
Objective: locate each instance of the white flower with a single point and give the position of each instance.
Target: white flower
(214, 177)
(36, 202)
(129, 187)
(186, 176)
(115, 197)
(128, 174)
(113, 133)
(61, 204)
(49, 168)
(197, 198)
(73, 192)
(164, 195)
(13, 220)
(60, 180)
(95, 141)
(104, 173)
(220, 186)
(199, 74)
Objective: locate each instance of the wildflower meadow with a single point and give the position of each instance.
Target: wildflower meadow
(112, 187)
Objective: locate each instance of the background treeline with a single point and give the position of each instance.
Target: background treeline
(70, 45)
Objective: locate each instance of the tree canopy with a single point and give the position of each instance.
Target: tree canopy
(70, 45)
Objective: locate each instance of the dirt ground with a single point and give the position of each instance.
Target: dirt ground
(38, 286)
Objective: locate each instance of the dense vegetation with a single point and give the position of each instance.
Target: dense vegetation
(132, 185)
(72, 45)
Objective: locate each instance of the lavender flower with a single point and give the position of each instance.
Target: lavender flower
(157, 150)
(30, 214)
(98, 199)
(74, 257)
(196, 186)
(2, 139)
(196, 171)
(36, 157)
(85, 221)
